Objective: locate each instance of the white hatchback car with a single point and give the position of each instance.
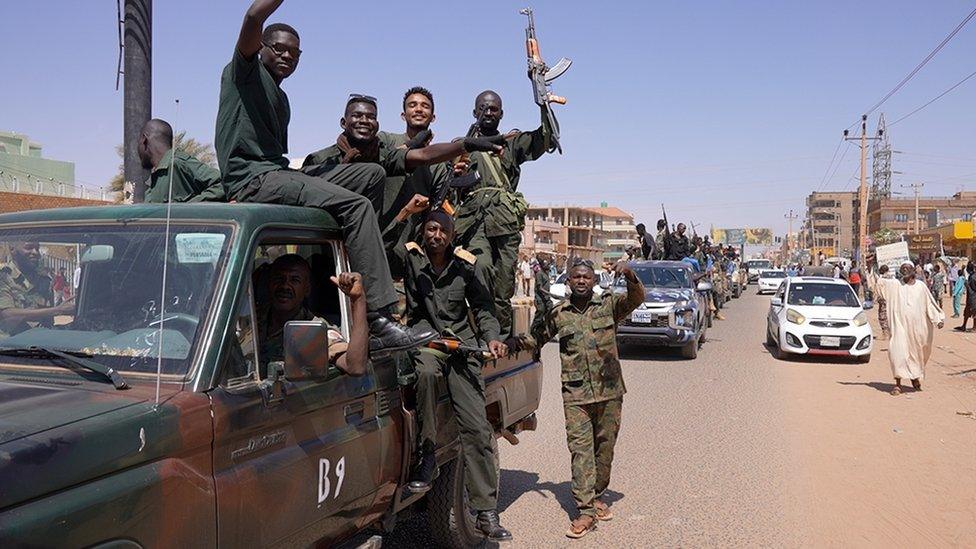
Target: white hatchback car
(818, 316)
(769, 280)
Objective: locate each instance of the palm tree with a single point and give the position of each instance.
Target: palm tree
(204, 152)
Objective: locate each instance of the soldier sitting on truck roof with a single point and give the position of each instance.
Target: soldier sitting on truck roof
(289, 284)
(445, 287)
(192, 180)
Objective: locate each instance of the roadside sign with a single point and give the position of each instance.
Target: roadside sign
(892, 255)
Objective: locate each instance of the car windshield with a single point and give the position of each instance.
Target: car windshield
(96, 291)
(661, 277)
(772, 274)
(830, 295)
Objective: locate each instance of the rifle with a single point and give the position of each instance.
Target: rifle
(541, 75)
(667, 230)
(455, 346)
(460, 182)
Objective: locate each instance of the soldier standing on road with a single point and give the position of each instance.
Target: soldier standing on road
(192, 180)
(251, 143)
(443, 285)
(592, 382)
(491, 216)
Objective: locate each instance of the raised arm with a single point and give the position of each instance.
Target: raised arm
(249, 41)
(353, 361)
(442, 152)
(623, 305)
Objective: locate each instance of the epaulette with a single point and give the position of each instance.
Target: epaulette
(414, 247)
(465, 255)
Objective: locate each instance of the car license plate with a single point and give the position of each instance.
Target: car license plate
(830, 342)
(642, 317)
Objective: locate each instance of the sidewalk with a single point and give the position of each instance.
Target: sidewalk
(875, 470)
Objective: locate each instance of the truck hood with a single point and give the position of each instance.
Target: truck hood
(54, 437)
(668, 295)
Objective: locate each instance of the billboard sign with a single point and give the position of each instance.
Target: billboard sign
(749, 235)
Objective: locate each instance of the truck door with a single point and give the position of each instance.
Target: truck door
(293, 462)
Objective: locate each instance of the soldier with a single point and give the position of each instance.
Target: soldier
(192, 180)
(592, 382)
(661, 240)
(647, 244)
(25, 292)
(358, 143)
(251, 142)
(289, 284)
(542, 282)
(443, 287)
(678, 245)
(492, 215)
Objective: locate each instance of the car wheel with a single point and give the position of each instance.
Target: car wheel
(777, 352)
(770, 342)
(864, 359)
(690, 350)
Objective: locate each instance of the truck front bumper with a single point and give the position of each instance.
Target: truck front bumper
(649, 335)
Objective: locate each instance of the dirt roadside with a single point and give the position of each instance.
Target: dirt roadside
(876, 470)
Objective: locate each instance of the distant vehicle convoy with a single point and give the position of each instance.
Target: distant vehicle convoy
(754, 266)
(818, 316)
(769, 280)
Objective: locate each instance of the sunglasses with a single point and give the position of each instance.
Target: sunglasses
(280, 50)
(361, 97)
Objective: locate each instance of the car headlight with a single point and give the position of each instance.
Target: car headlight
(795, 317)
(860, 319)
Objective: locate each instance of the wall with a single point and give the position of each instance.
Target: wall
(19, 202)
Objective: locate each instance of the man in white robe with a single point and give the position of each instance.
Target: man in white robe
(912, 313)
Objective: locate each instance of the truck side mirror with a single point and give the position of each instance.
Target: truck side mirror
(704, 286)
(306, 350)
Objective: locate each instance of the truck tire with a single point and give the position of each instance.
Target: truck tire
(449, 514)
(690, 350)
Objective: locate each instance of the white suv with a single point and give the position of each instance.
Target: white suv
(818, 316)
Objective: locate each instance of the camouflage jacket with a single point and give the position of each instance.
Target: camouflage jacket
(588, 344)
(18, 291)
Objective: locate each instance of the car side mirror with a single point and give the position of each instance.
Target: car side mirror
(306, 349)
(704, 286)
(868, 304)
(776, 302)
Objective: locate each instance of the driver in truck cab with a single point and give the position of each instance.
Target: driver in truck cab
(289, 284)
(25, 292)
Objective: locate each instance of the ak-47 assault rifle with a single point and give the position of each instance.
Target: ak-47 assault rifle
(541, 75)
(459, 182)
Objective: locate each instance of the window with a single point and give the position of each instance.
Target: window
(250, 356)
(901, 218)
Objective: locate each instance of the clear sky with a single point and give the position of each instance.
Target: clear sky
(728, 112)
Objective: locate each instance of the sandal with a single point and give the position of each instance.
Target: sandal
(896, 391)
(603, 511)
(581, 526)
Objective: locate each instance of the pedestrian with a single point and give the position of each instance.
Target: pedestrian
(854, 278)
(445, 286)
(525, 275)
(970, 310)
(912, 313)
(938, 284)
(837, 271)
(879, 296)
(958, 290)
(57, 287)
(592, 381)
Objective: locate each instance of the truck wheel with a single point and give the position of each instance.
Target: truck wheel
(709, 320)
(690, 350)
(449, 515)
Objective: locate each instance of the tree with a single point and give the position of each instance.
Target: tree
(885, 236)
(204, 152)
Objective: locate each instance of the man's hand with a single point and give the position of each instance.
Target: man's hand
(462, 165)
(484, 144)
(940, 325)
(624, 270)
(514, 344)
(416, 205)
(350, 284)
(67, 307)
(422, 139)
(497, 348)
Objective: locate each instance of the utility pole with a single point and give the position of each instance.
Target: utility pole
(137, 93)
(789, 217)
(917, 187)
(862, 192)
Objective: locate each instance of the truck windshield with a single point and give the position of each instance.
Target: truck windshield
(661, 277)
(96, 291)
(759, 264)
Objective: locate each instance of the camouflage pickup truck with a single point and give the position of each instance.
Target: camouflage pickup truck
(134, 414)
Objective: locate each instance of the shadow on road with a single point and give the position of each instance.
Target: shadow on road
(629, 351)
(513, 484)
(879, 385)
(815, 359)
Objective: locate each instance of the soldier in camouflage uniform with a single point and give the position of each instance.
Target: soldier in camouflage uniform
(25, 292)
(592, 382)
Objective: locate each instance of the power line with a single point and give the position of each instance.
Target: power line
(920, 65)
(823, 179)
(936, 98)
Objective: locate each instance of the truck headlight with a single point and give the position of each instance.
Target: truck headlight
(860, 319)
(795, 317)
(684, 320)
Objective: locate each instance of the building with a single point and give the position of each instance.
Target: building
(955, 238)
(620, 231)
(830, 225)
(566, 231)
(898, 214)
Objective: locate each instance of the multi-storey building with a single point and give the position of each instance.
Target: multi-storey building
(565, 231)
(830, 223)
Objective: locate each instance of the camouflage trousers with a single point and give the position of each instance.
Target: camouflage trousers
(591, 433)
(883, 317)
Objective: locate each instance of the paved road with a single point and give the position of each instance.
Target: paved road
(700, 458)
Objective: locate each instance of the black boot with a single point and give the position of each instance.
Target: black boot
(489, 526)
(423, 471)
(387, 335)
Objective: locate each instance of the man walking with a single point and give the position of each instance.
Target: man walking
(970, 310)
(912, 312)
(444, 287)
(958, 290)
(251, 143)
(592, 381)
